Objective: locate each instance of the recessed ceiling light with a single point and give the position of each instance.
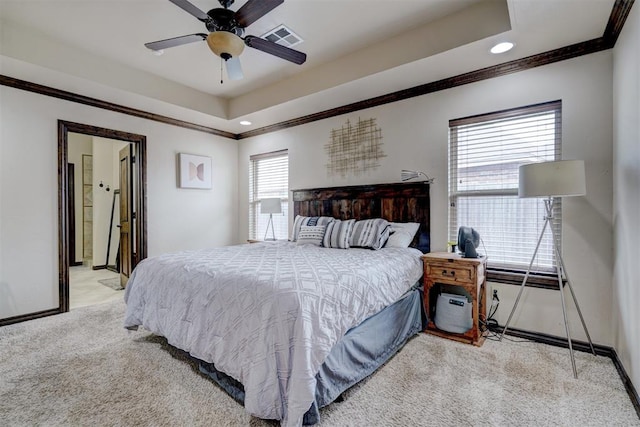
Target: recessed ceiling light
(158, 52)
(501, 47)
(245, 123)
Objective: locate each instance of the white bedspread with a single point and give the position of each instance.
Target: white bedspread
(266, 314)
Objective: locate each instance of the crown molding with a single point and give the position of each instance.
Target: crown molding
(617, 18)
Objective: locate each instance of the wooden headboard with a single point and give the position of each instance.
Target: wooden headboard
(400, 202)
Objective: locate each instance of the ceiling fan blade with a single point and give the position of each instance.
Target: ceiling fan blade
(176, 41)
(234, 69)
(275, 49)
(191, 9)
(254, 10)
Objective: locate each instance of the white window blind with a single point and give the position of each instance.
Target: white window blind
(485, 152)
(268, 177)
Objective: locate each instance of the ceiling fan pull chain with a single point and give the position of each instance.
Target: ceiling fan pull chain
(221, 75)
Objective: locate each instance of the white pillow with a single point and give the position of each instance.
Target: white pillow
(402, 234)
(399, 239)
(311, 235)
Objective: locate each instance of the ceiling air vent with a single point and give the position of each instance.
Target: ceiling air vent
(283, 36)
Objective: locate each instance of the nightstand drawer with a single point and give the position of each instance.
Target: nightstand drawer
(450, 272)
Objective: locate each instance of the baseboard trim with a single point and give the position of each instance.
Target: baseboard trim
(99, 267)
(29, 316)
(601, 350)
(628, 385)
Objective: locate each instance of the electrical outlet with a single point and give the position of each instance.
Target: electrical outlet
(492, 304)
(495, 300)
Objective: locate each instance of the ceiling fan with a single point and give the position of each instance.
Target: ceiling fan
(226, 31)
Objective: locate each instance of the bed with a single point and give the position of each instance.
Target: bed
(285, 328)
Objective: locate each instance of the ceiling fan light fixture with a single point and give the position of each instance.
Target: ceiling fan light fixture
(224, 43)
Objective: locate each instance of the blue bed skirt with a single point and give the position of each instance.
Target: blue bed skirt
(360, 352)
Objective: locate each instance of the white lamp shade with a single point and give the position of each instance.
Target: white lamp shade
(559, 178)
(271, 206)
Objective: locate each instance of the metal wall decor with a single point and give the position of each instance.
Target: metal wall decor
(355, 148)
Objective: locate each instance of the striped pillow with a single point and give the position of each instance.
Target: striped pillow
(370, 233)
(338, 233)
(311, 235)
(308, 221)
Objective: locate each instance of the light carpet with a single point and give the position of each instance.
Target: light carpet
(83, 368)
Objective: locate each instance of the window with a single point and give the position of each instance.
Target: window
(484, 155)
(268, 177)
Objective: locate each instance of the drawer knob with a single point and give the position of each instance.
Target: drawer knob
(451, 273)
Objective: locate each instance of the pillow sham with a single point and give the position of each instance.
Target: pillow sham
(370, 233)
(402, 234)
(338, 233)
(311, 235)
(399, 239)
(308, 221)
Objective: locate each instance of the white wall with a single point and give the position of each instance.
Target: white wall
(626, 107)
(177, 218)
(415, 133)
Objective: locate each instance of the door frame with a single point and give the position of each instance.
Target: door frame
(139, 143)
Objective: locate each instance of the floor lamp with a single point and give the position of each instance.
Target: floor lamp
(553, 179)
(270, 206)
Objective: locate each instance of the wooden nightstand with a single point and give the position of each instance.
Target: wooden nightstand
(445, 269)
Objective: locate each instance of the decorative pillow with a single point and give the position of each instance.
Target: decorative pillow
(402, 234)
(308, 221)
(399, 239)
(338, 233)
(311, 235)
(370, 233)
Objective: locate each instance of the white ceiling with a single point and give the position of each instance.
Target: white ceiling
(356, 49)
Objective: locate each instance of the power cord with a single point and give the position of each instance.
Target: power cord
(494, 335)
(486, 253)
(495, 303)
(489, 321)
(492, 325)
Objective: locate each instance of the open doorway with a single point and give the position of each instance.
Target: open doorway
(102, 211)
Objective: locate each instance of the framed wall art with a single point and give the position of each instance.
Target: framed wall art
(354, 149)
(194, 171)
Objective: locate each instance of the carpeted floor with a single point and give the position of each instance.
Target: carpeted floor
(83, 368)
